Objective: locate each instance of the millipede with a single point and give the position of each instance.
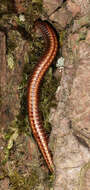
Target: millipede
(51, 47)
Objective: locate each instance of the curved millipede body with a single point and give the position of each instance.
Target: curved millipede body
(45, 61)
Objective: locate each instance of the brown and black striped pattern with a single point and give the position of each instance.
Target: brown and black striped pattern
(34, 83)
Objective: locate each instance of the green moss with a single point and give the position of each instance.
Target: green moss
(82, 35)
(6, 156)
(10, 61)
(37, 1)
(20, 182)
(35, 8)
(3, 5)
(62, 37)
(14, 38)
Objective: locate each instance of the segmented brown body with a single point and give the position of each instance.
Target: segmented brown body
(34, 83)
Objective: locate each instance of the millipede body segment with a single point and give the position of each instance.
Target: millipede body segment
(51, 46)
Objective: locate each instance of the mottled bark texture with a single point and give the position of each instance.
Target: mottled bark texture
(2, 76)
(71, 119)
(80, 95)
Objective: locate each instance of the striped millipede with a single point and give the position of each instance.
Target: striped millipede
(51, 43)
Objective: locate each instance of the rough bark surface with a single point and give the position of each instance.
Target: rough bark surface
(2, 75)
(71, 119)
